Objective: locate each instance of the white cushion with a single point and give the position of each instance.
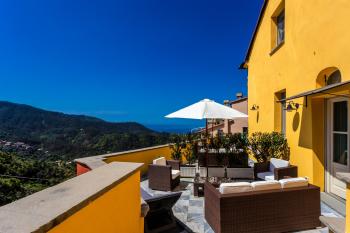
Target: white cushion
(278, 163)
(175, 173)
(294, 182)
(266, 185)
(160, 161)
(237, 187)
(266, 176)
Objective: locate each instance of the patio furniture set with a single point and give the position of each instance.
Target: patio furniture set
(271, 198)
(287, 205)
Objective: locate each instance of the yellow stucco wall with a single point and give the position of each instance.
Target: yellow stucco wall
(144, 156)
(316, 37)
(118, 210)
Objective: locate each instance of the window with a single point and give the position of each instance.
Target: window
(328, 76)
(340, 132)
(283, 114)
(220, 132)
(335, 77)
(280, 111)
(245, 130)
(280, 28)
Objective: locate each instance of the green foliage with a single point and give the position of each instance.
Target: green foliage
(184, 145)
(176, 151)
(51, 140)
(236, 146)
(189, 153)
(216, 143)
(177, 146)
(269, 145)
(20, 177)
(61, 136)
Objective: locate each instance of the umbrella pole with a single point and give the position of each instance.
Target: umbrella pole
(206, 151)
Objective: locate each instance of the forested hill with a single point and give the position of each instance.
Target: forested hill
(35, 132)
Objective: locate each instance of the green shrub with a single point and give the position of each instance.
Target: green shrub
(177, 146)
(265, 146)
(236, 149)
(189, 153)
(176, 150)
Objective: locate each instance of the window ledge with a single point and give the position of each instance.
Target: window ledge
(276, 48)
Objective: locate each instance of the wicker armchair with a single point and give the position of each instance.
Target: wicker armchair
(269, 211)
(164, 174)
(275, 169)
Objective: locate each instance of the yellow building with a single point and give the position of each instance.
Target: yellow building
(298, 83)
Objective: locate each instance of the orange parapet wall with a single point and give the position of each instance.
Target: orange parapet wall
(118, 210)
(81, 169)
(143, 155)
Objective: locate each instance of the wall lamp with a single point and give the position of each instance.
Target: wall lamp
(255, 107)
(292, 106)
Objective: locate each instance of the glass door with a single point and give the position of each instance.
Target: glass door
(338, 144)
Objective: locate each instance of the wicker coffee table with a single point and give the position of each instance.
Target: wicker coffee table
(198, 186)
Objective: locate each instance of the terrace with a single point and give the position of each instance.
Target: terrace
(106, 197)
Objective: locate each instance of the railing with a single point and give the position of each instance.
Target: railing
(107, 199)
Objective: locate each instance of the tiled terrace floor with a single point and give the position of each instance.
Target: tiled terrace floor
(189, 209)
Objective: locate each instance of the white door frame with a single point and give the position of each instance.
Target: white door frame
(330, 177)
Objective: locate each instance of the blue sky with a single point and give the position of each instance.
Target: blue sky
(123, 60)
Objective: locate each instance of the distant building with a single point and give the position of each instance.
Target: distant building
(231, 126)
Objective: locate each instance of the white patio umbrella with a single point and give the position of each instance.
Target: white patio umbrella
(207, 109)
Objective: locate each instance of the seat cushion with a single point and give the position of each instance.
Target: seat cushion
(160, 161)
(294, 182)
(266, 185)
(236, 187)
(278, 163)
(266, 176)
(175, 174)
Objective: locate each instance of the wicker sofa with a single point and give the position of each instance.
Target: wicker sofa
(278, 210)
(164, 175)
(275, 169)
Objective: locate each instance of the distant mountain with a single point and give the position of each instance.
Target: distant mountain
(59, 135)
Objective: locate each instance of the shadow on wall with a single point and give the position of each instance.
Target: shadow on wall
(318, 137)
(296, 121)
(305, 134)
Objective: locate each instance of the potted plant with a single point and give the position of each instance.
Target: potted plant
(189, 169)
(237, 157)
(176, 148)
(216, 145)
(215, 160)
(203, 144)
